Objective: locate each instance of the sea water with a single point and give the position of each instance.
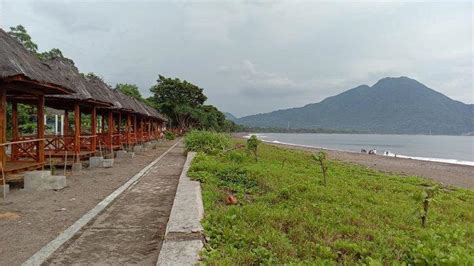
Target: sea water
(448, 149)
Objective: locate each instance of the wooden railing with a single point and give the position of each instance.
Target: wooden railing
(86, 141)
(24, 149)
(107, 140)
(57, 143)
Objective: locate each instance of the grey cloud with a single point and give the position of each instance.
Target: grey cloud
(256, 57)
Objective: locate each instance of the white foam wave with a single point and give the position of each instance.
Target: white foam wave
(440, 160)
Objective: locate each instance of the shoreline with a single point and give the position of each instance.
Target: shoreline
(458, 175)
(392, 155)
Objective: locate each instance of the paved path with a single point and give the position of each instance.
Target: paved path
(131, 229)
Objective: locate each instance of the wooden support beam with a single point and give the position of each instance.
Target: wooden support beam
(77, 131)
(40, 128)
(102, 116)
(15, 131)
(119, 126)
(94, 128)
(135, 126)
(141, 129)
(129, 129)
(66, 123)
(3, 125)
(149, 128)
(110, 128)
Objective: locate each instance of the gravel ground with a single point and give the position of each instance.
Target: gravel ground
(445, 173)
(30, 220)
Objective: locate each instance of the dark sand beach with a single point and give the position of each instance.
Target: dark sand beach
(445, 173)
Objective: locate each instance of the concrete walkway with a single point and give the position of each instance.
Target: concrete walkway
(132, 228)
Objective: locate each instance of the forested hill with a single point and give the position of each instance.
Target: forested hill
(393, 105)
(230, 116)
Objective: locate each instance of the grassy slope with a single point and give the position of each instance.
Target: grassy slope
(286, 215)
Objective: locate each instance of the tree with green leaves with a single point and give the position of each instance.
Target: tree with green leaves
(53, 53)
(91, 75)
(179, 100)
(252, 146)
(131, 90)
(21, 35)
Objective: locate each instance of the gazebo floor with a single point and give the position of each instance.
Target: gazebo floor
(70, 154)
(14, 167)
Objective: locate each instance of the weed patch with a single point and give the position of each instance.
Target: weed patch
(361, 216)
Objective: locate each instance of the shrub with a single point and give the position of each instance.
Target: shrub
(236, 179)
(252, 146)
(321, 159)
(236, 157)
(169, 135)
(207, 142)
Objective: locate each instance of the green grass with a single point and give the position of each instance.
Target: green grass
(286, 215)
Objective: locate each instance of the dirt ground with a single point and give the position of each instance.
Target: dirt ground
(30, 220)
(448, 174)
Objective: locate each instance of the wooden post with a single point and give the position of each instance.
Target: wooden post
(103, 122)
(77, 131)
(66, 123)
(141, 129)
(15, 133)
(135, 127)
(94, 129)
(110, 127)
(3, 125)
(149, 129)
(119, 131)
(40, 128)
(129, 128)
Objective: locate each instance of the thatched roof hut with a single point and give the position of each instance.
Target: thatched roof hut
(85, 93)
(22, 71)
(100, 87)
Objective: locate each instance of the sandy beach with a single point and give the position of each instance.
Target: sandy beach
(445, 173)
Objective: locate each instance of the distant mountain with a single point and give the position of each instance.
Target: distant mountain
(230, 116)
(393, 105)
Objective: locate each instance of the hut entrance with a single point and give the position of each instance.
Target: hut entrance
(21, 148)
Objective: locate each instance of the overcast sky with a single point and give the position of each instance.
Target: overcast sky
(258, 57)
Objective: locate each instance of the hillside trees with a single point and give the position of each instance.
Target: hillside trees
(183, 103)
(131, 90)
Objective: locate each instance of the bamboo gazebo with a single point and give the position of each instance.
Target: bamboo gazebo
(24, 79)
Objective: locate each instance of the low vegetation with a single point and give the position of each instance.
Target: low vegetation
(169, 135)
(252, 146)
(282, 215)
(207, 142)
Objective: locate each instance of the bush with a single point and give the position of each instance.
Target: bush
(207, 142)
(169, 135)
(252, 146)
(236, 179)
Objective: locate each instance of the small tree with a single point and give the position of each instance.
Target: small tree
(321, 159)
(252, 146)
(427, 196)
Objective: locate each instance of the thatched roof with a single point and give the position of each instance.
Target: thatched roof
(20, 69)
(123, 102)
(102, 88)
(69, 75)
(154, 113)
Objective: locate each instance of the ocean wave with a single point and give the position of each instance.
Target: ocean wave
(429, 159)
